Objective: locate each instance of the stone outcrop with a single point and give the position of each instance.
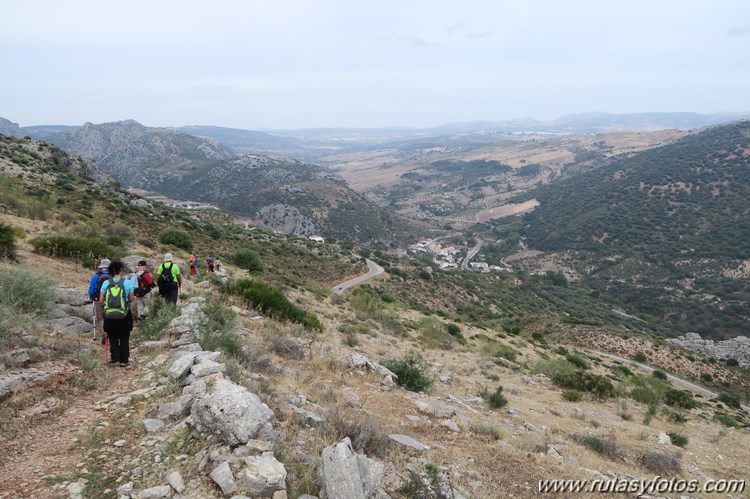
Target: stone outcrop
(343, 474)
(230, 411)
(736, 348)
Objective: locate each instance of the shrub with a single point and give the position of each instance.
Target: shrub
(732, 362)
(661, 463)
(727, 420)
(572, 395)
(497, 399)
(730, 400)
(580, 380)
(677, 439)
(87, 249)
(577, 360)
(640, 357)
(366, 434)
(7, 242)
(621, 368)
(247, 259)
(607, 448)
(434, 334)
(271, 301)
(650, 413)
(658, 373)
(707, 377)
(680, 398)
(215, 330)
(176, 237)
(488, 429)
(411, 371)
(162, 313)
(22, 294)
(505, 351)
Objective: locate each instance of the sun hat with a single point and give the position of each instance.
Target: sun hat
(104, 263)
(168, 257)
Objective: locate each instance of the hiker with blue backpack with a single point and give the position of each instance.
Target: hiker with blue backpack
(115, 296)
(101, 275)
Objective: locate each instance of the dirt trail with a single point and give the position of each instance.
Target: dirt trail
(52, 445)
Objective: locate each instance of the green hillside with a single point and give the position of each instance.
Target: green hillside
(663, 232)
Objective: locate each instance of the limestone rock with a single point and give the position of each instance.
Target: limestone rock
(263, 475)
(231, 412)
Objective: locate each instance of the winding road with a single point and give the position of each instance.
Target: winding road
(678, 381)
(374, 270)
(471, 254)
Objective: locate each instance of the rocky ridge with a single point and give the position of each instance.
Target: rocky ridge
(737, 348)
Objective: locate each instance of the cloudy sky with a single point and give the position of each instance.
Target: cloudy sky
(276, 64)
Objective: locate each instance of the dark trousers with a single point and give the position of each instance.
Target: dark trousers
(171, 296)
(119, 338)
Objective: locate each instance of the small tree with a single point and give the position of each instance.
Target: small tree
(176, 237)
(247, 259)
(7, 242)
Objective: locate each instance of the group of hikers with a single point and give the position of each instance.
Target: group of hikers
(211, 264)
(113, 293)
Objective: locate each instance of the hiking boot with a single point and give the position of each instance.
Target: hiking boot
(126, 365)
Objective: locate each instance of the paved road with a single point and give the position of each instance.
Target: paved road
(375, 269)
(677, 381)
(471, 254)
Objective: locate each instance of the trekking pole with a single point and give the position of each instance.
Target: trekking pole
(93, 304)
(106, 350)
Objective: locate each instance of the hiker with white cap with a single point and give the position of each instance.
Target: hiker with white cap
(95, 285)
(168, 279)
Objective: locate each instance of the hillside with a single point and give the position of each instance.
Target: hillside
(289, 196)
(664, 232)
(139, 156)
(441, 182)
(499, 382)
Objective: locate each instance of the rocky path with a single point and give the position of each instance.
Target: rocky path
(47, 449)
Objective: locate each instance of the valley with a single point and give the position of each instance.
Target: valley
(475, 320)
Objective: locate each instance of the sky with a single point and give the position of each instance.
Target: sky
(288, 64)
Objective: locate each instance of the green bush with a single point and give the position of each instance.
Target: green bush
(577, 360)
(23, 293)
(215, 329)
(176, 237)
(608, 448)
(271, 301)
(677, 439)
(247, 259)
(411, 371)
(433, 334)
(497, 399)
(730, 400)
(707, 377)
(621, 368)
(658, 373)
(583, 381)
(90, 250)
(572, 395)
(7, 242)
(680, 398)
(162, 313)
(640, 357)
(727, 420)
(650, 413)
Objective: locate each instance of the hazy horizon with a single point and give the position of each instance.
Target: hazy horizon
(334, 64)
